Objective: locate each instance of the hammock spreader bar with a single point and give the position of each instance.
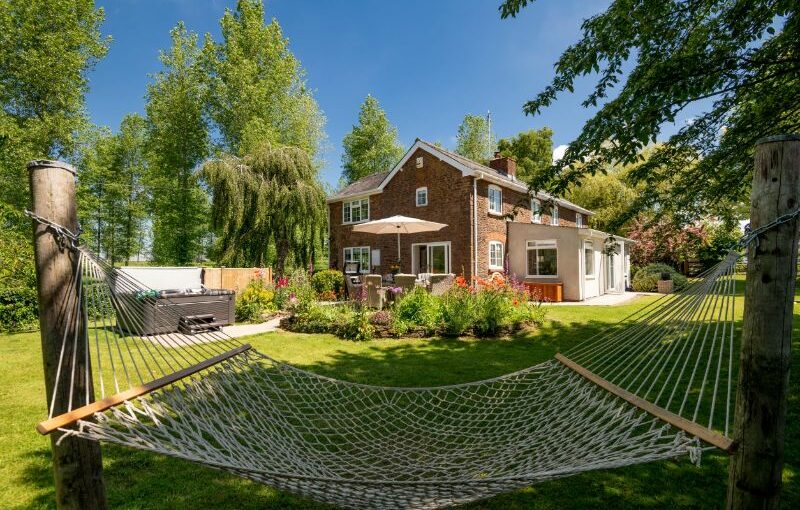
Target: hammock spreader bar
(693, 428)
(66, 419)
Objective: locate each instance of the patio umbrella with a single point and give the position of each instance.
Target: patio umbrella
(398, 225)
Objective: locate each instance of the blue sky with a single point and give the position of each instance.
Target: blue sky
(428, 63)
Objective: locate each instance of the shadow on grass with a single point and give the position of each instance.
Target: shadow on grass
(141, 480)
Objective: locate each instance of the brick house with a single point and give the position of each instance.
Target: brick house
(493, 224)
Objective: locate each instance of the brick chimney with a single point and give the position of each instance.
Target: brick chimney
(504, 164)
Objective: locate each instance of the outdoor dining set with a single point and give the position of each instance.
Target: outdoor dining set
(379, 290)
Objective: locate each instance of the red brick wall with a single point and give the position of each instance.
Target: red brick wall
(449, 201)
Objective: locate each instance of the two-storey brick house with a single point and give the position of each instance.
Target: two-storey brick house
(484, 208)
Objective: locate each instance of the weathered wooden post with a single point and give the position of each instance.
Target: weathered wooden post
(754, 475)
(77, 464)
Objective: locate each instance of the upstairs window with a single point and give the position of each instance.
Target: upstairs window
(355, 211)
(422, 197)
(495, 200)
(579, 220)
(495, 255)
(554, 215)
(536, 210)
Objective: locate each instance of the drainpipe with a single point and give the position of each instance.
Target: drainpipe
(475, 179)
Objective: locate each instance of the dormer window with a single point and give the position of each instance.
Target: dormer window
(422, 197)
(355, 211)
(554, 215)
(495, 200)
(579, 220)
(536, 210)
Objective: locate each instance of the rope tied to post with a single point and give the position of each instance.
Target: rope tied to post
(65, 237)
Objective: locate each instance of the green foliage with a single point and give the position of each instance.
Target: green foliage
(646, 278)
(328, 283)
(372, 145)
(112, 196)
(295, 293)
(322, 319)
(606, 194)
(178, 140)
(737, 61)
(358, 328)
(474, 139)
(418, 307)
(18, 309)
(16, 252)
(254, 300)
(257, 91)
(273, 196)
(722, 237)
(459, 309)
(532, 150)
(47, 48)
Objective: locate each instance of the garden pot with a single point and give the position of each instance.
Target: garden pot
(665, 286)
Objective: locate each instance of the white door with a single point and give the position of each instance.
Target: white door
(431, 258)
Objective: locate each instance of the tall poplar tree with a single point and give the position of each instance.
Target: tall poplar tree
(474, 139)
(178, 141)
(372, 145)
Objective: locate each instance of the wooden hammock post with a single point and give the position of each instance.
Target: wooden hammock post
(754, 474)
(77, 464)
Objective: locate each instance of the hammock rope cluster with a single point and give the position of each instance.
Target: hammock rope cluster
(658, 385)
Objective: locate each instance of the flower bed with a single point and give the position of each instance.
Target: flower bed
(492, 307)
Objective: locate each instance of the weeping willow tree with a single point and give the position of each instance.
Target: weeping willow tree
(270, 198)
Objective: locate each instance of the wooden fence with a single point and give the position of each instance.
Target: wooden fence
(234, 278)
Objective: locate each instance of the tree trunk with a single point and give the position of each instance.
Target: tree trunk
(754, 474)
(77, 465)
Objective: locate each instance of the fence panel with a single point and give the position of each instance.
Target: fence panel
(234, 278)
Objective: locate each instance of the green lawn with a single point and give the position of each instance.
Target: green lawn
(139, 480)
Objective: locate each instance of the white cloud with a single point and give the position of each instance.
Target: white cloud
(558, 152)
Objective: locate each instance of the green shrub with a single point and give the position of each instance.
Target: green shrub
(646, 278)
(528, 314)
(322, 319)
(358, 327)
(458, 308)
(18, 309)
(494, 311)
(328, 283)
(418, 308)
(295, 292)
(254, 300)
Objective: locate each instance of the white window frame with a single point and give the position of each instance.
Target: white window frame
(499, 191)
(424, 190)
(554, 215)
(536, 210)
(586, 274)
(347, 206)
(362, 250)
(579, 220)
(447, 255)
(536, 245)
(493, 244)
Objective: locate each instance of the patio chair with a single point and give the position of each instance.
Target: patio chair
(352, 279)
(405, 282)
(376, 297)
(441, 283)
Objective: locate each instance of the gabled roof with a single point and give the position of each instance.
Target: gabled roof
(375, 183)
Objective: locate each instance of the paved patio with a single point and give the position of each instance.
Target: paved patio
(235, 331)
(606, 299)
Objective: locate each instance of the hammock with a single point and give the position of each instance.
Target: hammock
(656, 386)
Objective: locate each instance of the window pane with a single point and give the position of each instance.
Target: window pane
(438, 259)
(346, 212)
(588, 257)
(532, 269)
(548, 261)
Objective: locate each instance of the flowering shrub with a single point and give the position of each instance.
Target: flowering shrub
(328, 284)
(358, 327)
(294, 293)
(381, 318)
(254, 300)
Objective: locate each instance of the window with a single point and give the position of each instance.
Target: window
(579, 220)
(554, 215)
(495, 255)
(422, 197)
(431, 257)
(536, 210)
(355, 211)
(542, 258)
(358, 254)
(419, 162)
(495, 200)
(588, 258)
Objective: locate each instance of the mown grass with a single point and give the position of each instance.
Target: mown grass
(140, 480)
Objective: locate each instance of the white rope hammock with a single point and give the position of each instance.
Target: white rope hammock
(656, 386)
